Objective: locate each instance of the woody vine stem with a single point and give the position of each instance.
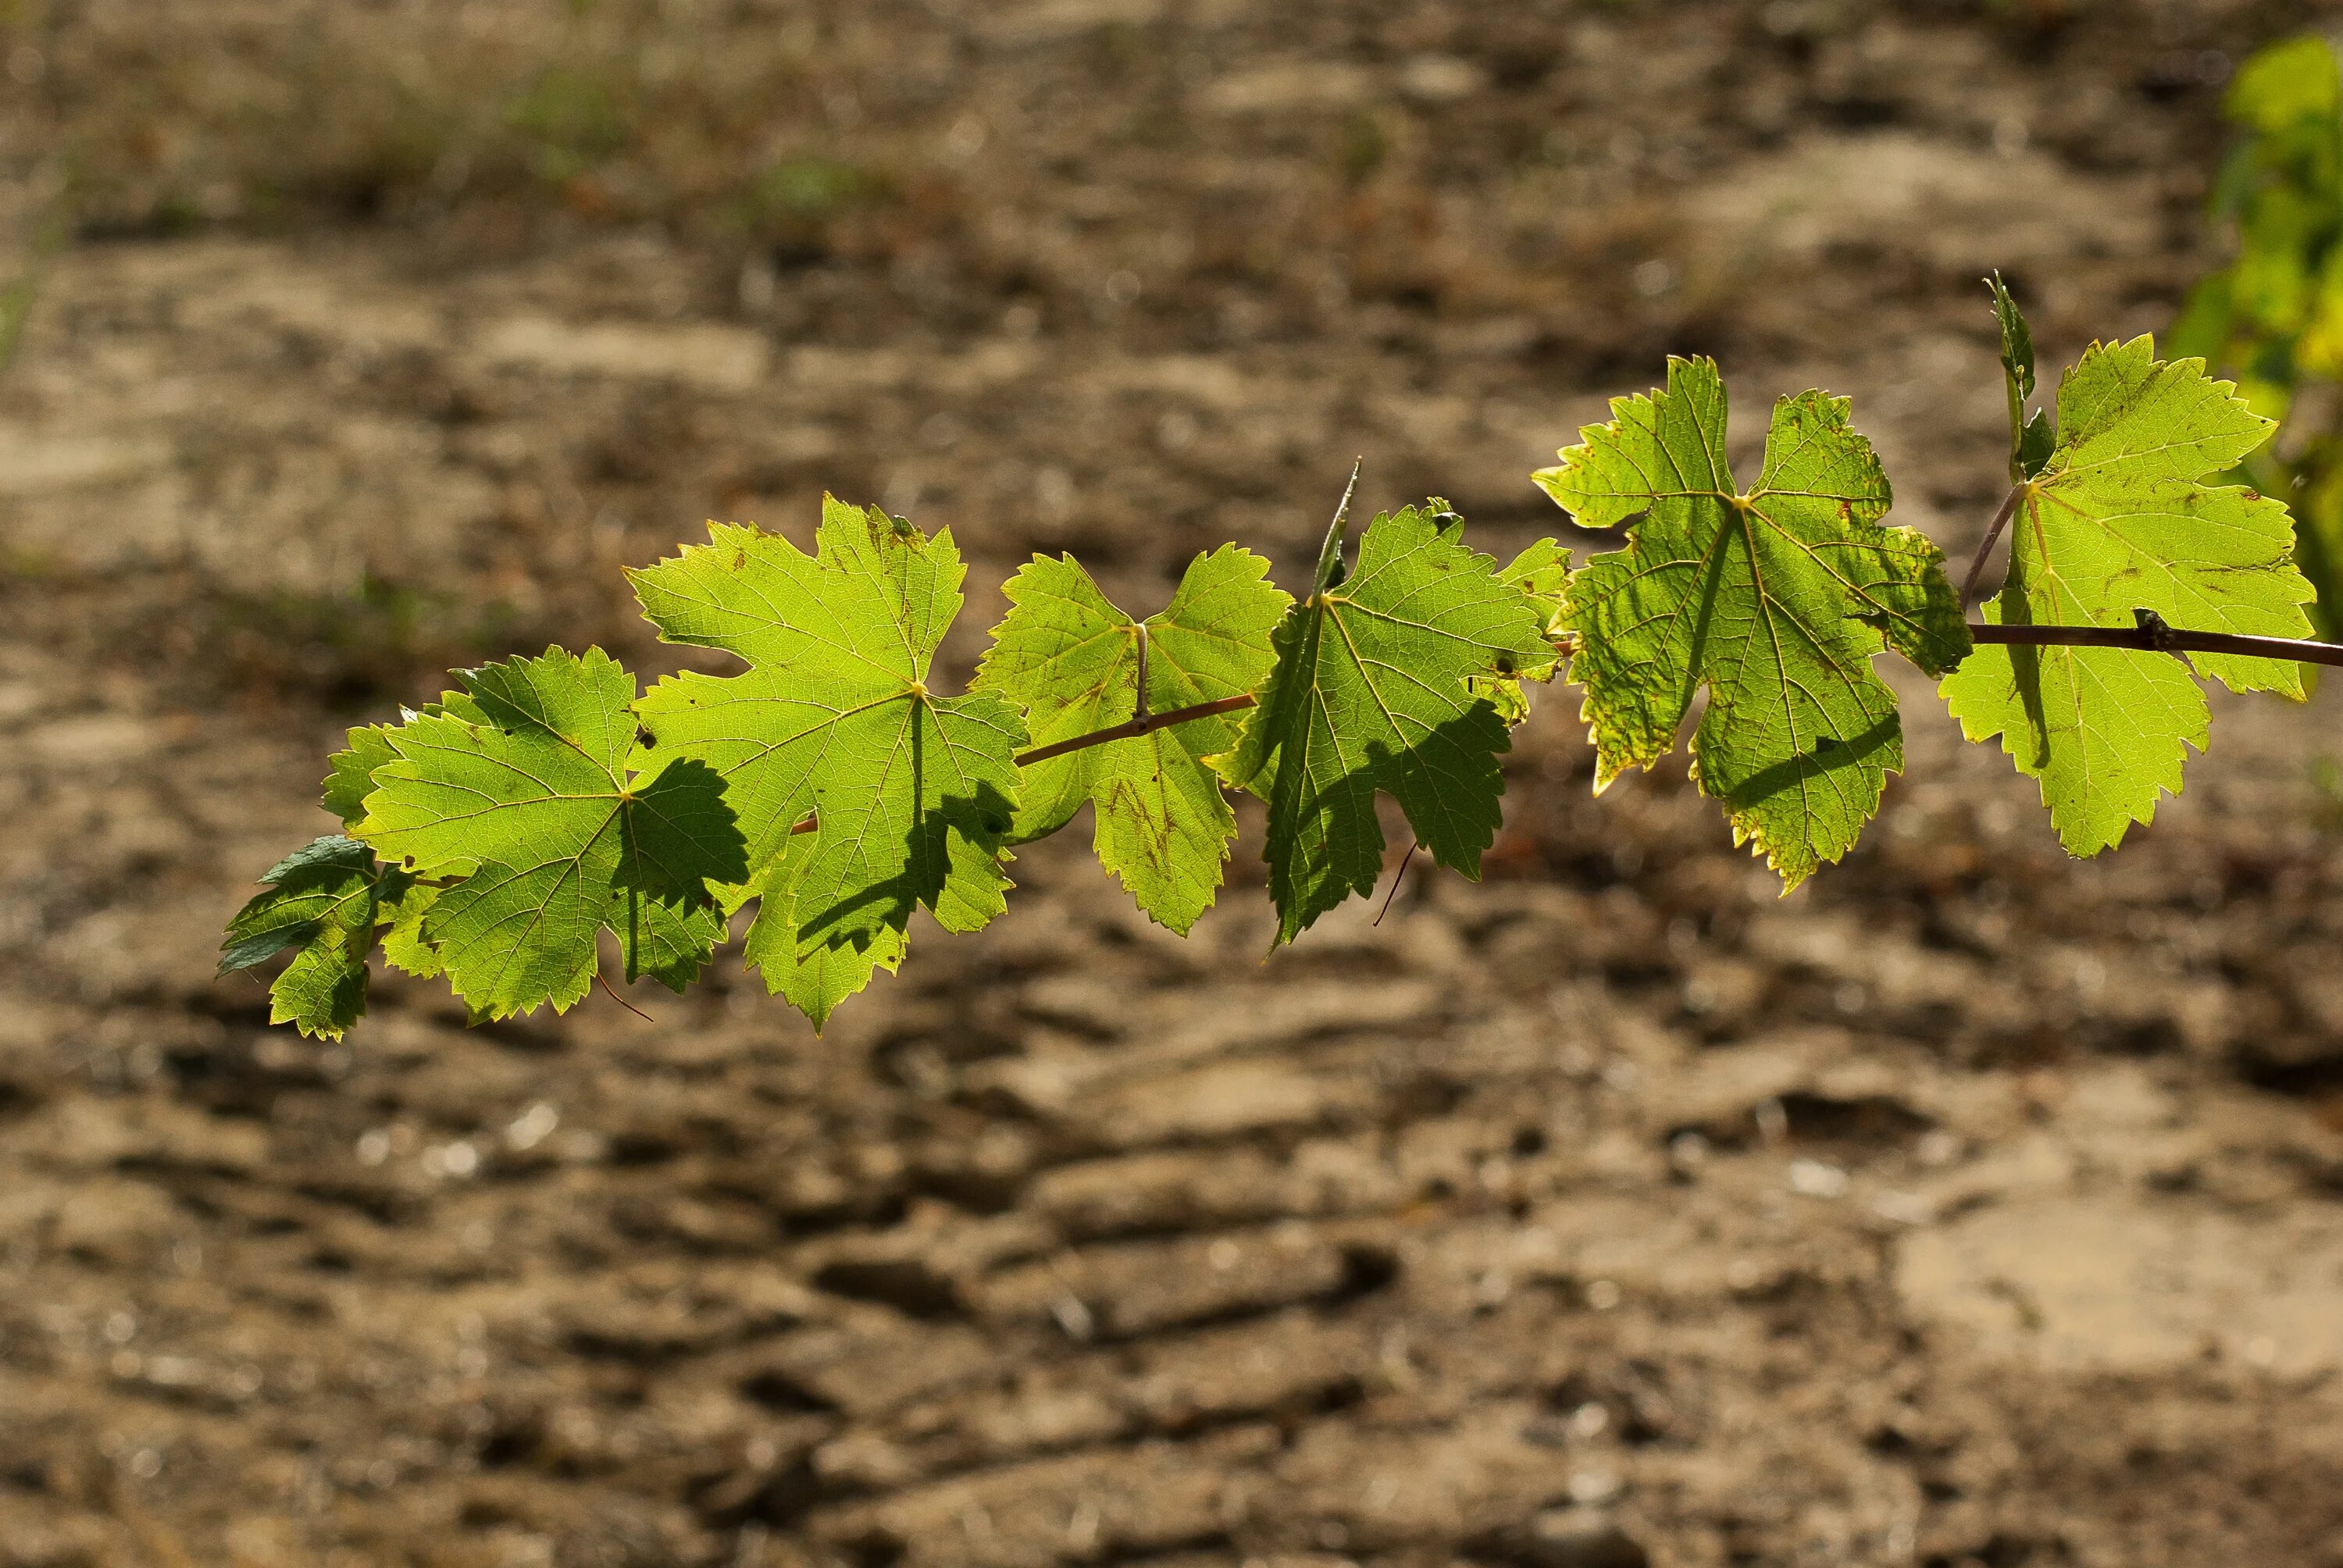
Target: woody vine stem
(2151, 635)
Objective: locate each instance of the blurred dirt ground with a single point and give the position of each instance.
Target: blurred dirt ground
(1972, 1207)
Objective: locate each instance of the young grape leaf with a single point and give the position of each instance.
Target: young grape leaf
(404, 946)
(2030, 436)
(351, 776)
(911, 795)
(323, 901)
(1541, 572)
(534, 805)
(2120, 519)
(1542, 575)
(1776, 599)
(348, 782)
(1074, 663)
(1372, 691)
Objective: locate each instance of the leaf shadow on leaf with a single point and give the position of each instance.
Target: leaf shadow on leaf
(348, 998)
(683, 841)
(1436, 782)
(1452, 765)
(2026, 673)
(981, 817)
(1766, 782)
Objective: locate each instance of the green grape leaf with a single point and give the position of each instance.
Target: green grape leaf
(2121, 519)
(1372, 691)
(322, 902)
(911, 795)
(2030, 436)
(1776, 599)
(1073, 662)
(534, 806)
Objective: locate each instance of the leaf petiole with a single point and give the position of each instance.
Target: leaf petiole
(1146, 723)
(1984, 546)
(622, 1001)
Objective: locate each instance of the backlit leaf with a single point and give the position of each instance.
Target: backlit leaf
(1776, 599)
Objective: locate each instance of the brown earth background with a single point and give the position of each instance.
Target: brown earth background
(1972, 1207)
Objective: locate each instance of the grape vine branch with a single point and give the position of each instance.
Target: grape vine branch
(828, 789)
(2153, 635)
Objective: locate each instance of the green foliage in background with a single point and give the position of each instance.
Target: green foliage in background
(2274, 315)
(576, 117)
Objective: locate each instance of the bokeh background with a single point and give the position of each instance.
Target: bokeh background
(1971, 1208)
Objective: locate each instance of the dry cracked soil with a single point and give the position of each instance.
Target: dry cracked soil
(1972, 1207)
